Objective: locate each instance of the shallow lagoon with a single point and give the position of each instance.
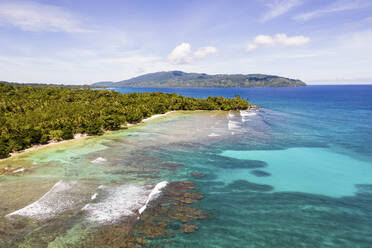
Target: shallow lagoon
(307, 170)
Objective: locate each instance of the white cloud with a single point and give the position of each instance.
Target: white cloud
(263, 40)
(338, 6)
(181, 54)
(279, 7)
(36, 17)
(299, 40)
(278, 39)
(205, 51)
(250, 47)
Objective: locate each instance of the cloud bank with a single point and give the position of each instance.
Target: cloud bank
(36, 17)
(205, 51)
(182, 54)
(278, 39)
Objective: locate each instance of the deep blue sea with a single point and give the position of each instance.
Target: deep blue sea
(297, 173)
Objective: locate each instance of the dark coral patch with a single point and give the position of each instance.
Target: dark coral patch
(233, 163)
(198, 175)
(260, 173)
(248, 186)
(171, 164)
(166, 216)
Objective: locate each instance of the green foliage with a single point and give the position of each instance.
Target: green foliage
(55, 134)
(4, 148)
(186, 80)
(37, 114)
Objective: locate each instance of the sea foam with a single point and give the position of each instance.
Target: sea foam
(233, 125)
(121, 201)
(245, 113)
(98, 160)
(61, 197)
(153, 195)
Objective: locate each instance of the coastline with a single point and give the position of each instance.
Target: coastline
(78, 136)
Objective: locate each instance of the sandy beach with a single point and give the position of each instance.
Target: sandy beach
(77, 137)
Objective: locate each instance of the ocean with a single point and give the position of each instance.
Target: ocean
(297, 172)
(314, 148)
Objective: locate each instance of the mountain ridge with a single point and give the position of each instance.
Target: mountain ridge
(180, 79)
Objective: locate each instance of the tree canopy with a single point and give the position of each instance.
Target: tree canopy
(36, 115)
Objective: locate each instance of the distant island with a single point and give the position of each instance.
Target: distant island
(179, 79)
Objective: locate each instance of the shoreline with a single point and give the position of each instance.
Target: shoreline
(79, 136)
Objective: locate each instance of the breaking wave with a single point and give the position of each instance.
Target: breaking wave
(245, 113)
(98, 160)
(234, 125)
(122, 201)
(153, 195)
(60, 198)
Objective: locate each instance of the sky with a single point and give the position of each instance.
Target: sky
(86, 41)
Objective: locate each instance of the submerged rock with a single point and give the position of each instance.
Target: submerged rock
(198, 175)
(171, 164)
(189, 228)
(165, 216)
(260, 173)
(248, 186)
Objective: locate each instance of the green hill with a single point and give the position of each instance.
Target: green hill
(179, 79)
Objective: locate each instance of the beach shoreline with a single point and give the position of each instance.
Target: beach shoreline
(79, 136)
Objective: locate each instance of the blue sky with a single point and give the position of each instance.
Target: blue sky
(84, 41)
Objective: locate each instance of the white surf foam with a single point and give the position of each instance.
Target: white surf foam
(230, 115)
(122, 201)
(233, 125)
(19, 170)
(213, 135)
(245, 119)
(153, 195)
(58, 199)
(245, 113)
(94, 196)
(98, 160)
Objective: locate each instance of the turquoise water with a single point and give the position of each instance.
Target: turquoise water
(308, 170)
(296, 173)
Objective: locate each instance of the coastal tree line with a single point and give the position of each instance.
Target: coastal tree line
(38, 114)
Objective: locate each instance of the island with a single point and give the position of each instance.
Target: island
(31, 115)
(179, 79)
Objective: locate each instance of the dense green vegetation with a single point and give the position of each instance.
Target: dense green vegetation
(35, 115)
(188, 80)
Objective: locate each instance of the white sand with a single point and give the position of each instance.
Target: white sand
(51, 143)
(156, 116)
(76, 136)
